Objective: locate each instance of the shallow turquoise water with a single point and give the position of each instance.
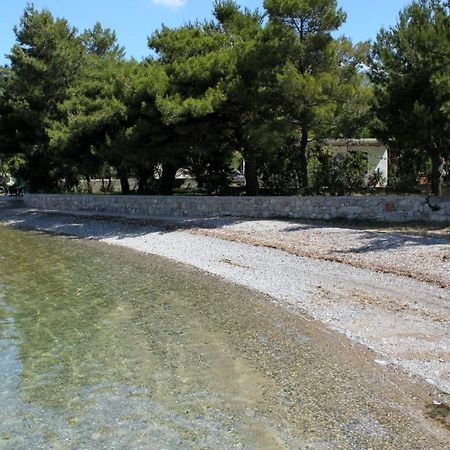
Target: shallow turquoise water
(102, 347)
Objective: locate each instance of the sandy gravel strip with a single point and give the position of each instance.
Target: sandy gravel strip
(422, 257)
(404, 320)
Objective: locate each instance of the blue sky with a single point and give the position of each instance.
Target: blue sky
(134, 20)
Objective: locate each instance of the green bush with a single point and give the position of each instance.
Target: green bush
(336, 174)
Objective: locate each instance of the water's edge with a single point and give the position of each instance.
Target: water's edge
(102, 345)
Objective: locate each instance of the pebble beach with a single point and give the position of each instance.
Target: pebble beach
(402, 318)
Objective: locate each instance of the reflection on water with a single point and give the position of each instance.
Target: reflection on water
(105, 348)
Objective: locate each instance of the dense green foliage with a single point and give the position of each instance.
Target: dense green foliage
(267, 87)
(44, 63)
(411, 76)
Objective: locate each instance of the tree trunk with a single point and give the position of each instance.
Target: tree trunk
(169, 172)
(143, 177)
(251, 178)
(436, 172)
(88, 184)
(303, 161)
(124, 184)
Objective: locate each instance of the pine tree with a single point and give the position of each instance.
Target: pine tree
(247, 106)
(109, 117)
(307, 78)
(45, 61)
(198, 61)
(410, 70)
(102, 42)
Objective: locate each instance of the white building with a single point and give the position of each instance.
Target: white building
(377, 153)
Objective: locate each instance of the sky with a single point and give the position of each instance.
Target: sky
(135, 20)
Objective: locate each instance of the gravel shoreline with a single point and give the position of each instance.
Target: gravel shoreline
(424, 258)
(404, 319)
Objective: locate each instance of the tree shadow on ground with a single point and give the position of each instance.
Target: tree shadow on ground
(419, 228)
(388, 237)
(98, 227)
(377, 241)
(102, 226)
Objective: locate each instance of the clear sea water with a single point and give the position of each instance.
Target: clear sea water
(105, 348)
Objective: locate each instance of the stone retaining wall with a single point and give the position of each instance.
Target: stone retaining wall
(385, 208)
